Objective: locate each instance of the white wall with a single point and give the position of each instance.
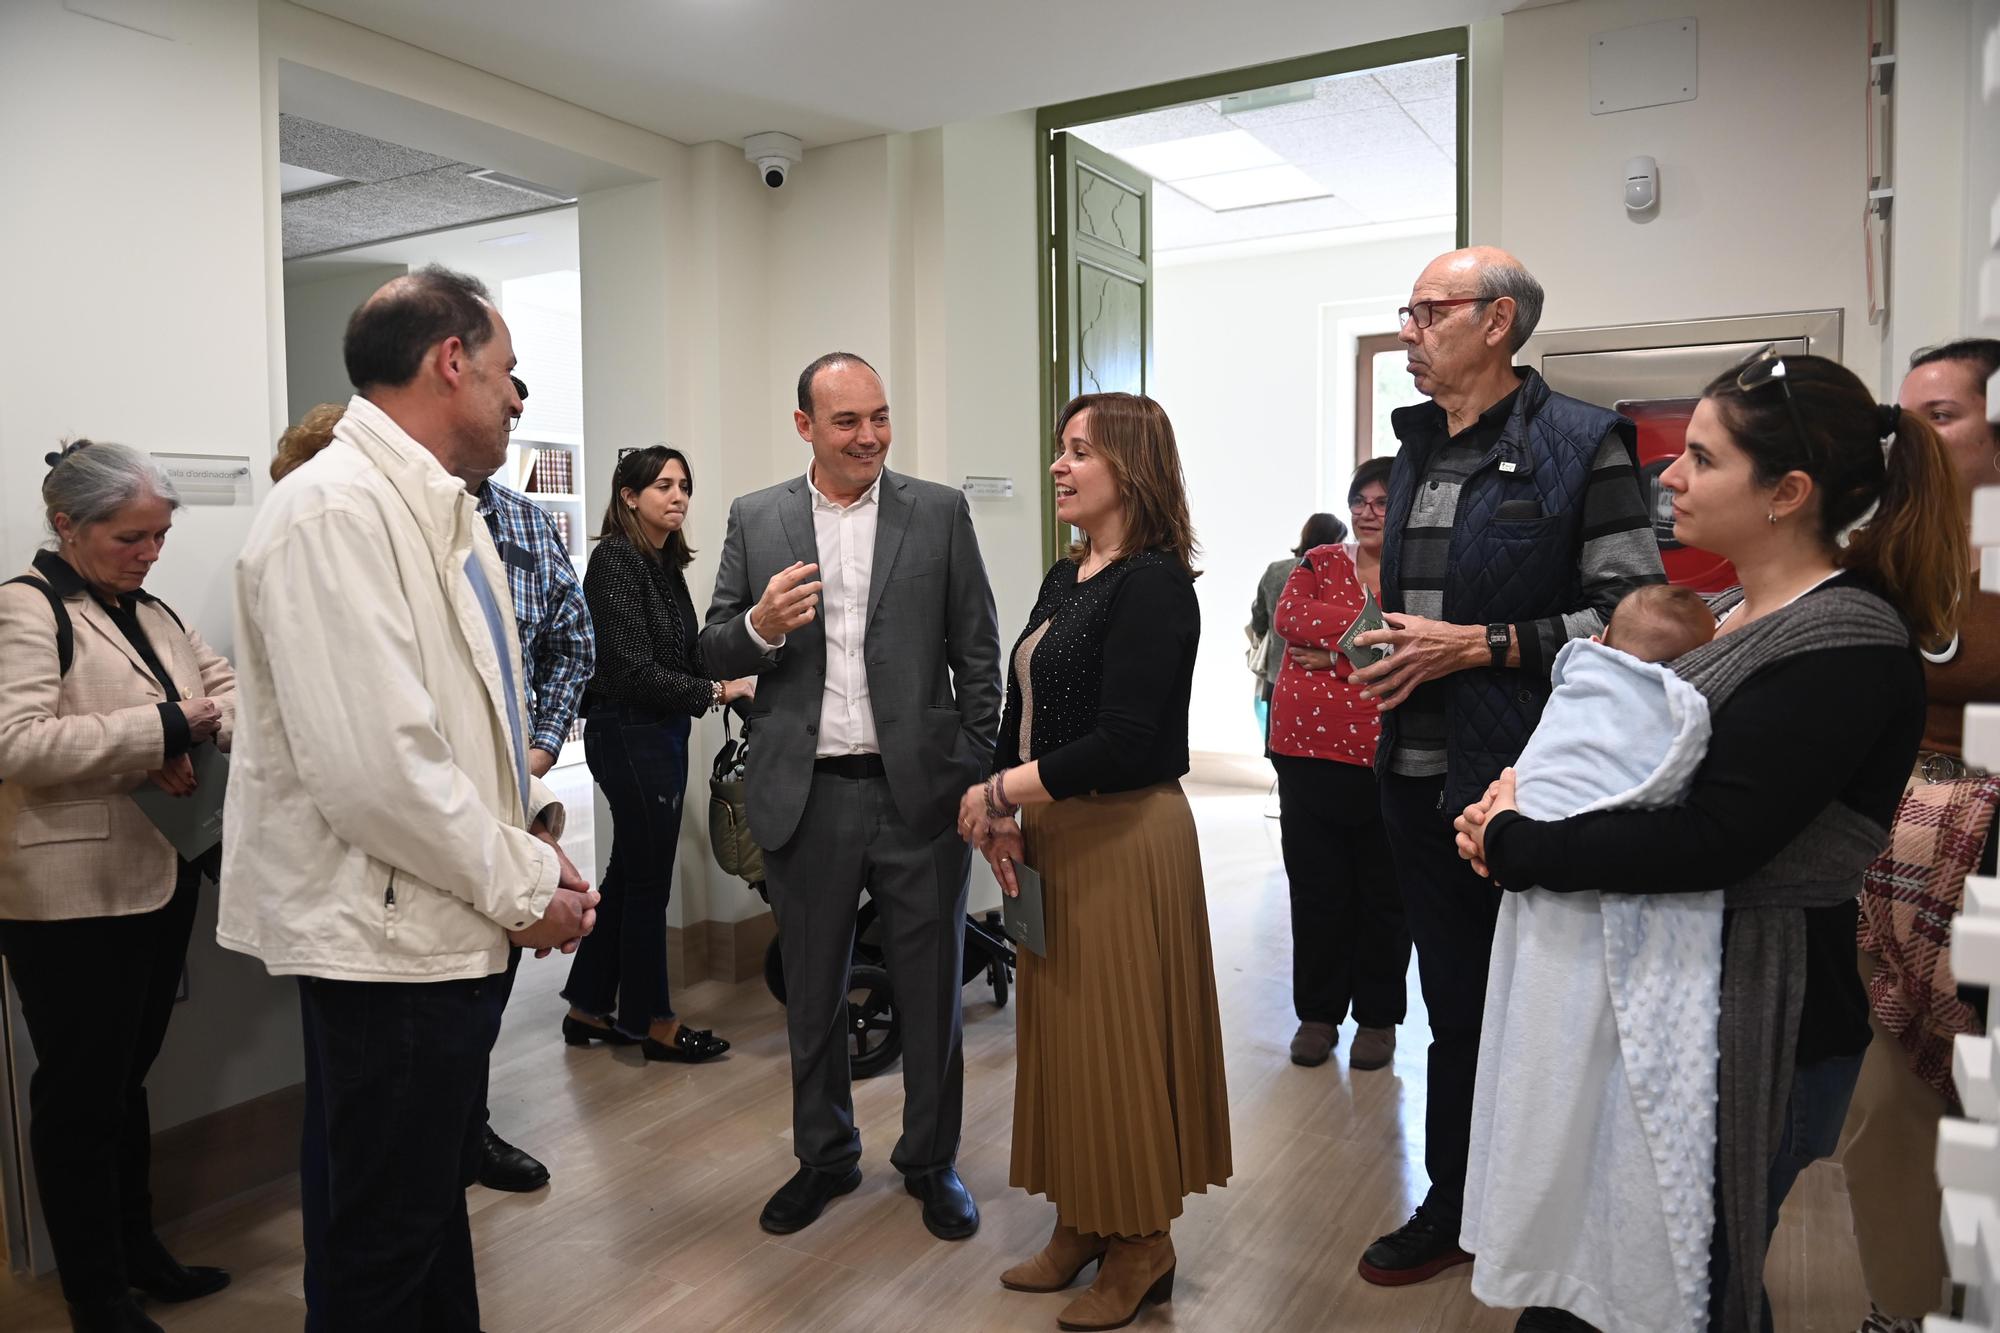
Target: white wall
(1248, 363)
(1927, 227)
(1762, 177)
(316, 315)
(136, 313)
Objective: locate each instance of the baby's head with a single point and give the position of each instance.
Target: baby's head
(1659, 622)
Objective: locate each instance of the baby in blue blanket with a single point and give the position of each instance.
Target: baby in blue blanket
(1594, 1111)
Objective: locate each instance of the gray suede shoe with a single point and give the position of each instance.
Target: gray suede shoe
(1313, 1043)
(1372, 1048)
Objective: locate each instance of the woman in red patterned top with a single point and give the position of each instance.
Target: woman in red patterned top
(1350, 946)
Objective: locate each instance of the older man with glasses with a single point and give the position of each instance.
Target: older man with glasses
(1515, 523)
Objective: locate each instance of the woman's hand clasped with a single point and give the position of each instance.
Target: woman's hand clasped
(204, 718)
(1471, 825)
(175, 777)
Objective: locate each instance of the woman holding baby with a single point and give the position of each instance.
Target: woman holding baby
(1815, 695)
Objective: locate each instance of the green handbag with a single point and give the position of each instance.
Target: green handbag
(728, 814)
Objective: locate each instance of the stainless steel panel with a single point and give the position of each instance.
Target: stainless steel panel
(1609, 378)
(1821, 330)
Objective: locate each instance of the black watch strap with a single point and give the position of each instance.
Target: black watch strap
(1497, 643)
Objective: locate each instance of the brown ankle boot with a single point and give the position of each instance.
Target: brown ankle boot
(1061, 1261)
(1137, 1270)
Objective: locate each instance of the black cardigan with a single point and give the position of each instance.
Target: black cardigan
(648, 645)
(1112, 677)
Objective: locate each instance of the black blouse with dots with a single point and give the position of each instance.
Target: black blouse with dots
(648, 641)
(1111, 678)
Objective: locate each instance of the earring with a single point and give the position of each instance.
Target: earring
(1770, 518)
(1996, 462)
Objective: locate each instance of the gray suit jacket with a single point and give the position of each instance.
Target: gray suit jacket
(932, 652)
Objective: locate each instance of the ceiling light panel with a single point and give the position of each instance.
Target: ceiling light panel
(1251, 189)
(1204, 155)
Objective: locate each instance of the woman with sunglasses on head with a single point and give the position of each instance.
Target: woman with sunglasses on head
(648, 687)
(1350, 944)
(1816, 694)
(1944, 822)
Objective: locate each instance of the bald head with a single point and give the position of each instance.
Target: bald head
(1491, 273)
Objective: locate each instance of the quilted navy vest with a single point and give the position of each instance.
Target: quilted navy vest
(1511, 572)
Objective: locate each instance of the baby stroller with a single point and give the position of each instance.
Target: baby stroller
(874, 1032)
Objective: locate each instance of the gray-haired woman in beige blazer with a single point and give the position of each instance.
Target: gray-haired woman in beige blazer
(95, 905)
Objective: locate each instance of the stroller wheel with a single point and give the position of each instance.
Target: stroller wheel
(874, 1029)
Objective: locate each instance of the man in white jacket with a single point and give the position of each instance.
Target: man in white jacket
(387, 840)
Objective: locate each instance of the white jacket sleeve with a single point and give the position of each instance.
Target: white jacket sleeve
(362, 733)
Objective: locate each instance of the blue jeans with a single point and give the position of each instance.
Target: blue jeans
(641, 766)
(1814, 1115)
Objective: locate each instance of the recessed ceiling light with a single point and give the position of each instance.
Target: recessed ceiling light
(492, 177)
(511, 238)
(1252, 189)
(1203, 155)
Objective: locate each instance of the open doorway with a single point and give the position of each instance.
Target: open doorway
(1237, 249)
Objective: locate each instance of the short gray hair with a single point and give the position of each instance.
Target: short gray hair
(91, 482)
(1516, 283)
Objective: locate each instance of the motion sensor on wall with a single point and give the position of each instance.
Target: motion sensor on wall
(1642, 184)
(774, 156)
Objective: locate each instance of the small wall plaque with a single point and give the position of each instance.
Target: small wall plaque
(1650, 65)
(989, 488)
(208, 479)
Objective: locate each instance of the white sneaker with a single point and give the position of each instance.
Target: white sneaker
(1271, 810)
(1877, 1322)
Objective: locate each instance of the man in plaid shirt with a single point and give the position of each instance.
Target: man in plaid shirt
(558, 655)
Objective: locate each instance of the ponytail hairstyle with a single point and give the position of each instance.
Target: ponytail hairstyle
(1871, 464)
(636, 471)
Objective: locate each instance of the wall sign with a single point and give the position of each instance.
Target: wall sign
(208, 479)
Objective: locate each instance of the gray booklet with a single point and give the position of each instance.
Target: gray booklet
(1369, 619)
(1022, 916)
(193, 823)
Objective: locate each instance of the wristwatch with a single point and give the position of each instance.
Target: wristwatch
(1497, 641)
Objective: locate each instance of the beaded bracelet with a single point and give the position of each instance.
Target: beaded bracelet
(997, 804)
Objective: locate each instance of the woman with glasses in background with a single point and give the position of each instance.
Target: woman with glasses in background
(1350, 944)
(1816, 696)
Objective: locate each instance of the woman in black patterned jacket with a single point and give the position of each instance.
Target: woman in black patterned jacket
(648, 687)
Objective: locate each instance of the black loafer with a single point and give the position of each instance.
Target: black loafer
(800, 1200)
(119, 1315)
(502, 1166)
(949, 1211)
(576, 1032)
(690, 1046)
(151, 1269)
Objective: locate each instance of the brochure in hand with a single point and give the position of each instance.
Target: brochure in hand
(193, 823)
(1022, 916)
(1369, 619)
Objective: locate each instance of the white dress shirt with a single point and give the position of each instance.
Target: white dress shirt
(846, 540)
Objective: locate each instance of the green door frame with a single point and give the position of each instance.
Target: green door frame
(1207, 87)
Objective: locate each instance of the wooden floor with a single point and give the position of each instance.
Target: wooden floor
(659, 1172)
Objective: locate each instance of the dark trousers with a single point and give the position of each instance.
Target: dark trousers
(96, 994)
(394, 1078)
(1451, 912)
(1350, 944)
(503, 990)
(641, 766)
(849, 839)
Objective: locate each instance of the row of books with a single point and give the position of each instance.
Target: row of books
(549, 472)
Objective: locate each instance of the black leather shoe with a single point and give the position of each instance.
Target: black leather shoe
(150, 1268)
(690, 1046)
(949, 1211)
(121, 1315)
(1421, 1248)
(1548, 1319)
(576, 1032)
(800, 1200)
(502, 1166)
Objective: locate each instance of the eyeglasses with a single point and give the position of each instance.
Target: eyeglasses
(1424, 313)
(521, 392)
(1765, 368)
(1366, 506)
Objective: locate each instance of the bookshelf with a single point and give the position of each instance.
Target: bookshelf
(550, 473)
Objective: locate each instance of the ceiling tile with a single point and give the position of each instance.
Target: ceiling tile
(1329, 138)
(347, 215)
(351, 156)
(1438, 118)
(1178, 122)
(1331, 97)
(1421, 79)
(1203, 155)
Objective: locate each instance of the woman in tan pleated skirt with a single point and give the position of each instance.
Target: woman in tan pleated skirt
(1120, 1108)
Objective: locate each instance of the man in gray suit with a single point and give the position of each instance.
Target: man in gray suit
(877, 654)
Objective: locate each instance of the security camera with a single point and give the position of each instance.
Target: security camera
(774, 155)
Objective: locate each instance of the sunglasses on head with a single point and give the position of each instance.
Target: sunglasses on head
(1765, 368)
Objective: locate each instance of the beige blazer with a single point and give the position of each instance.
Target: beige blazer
(72, 748)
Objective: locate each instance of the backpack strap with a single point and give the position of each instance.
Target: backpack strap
(65, 632)
(171, 613)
